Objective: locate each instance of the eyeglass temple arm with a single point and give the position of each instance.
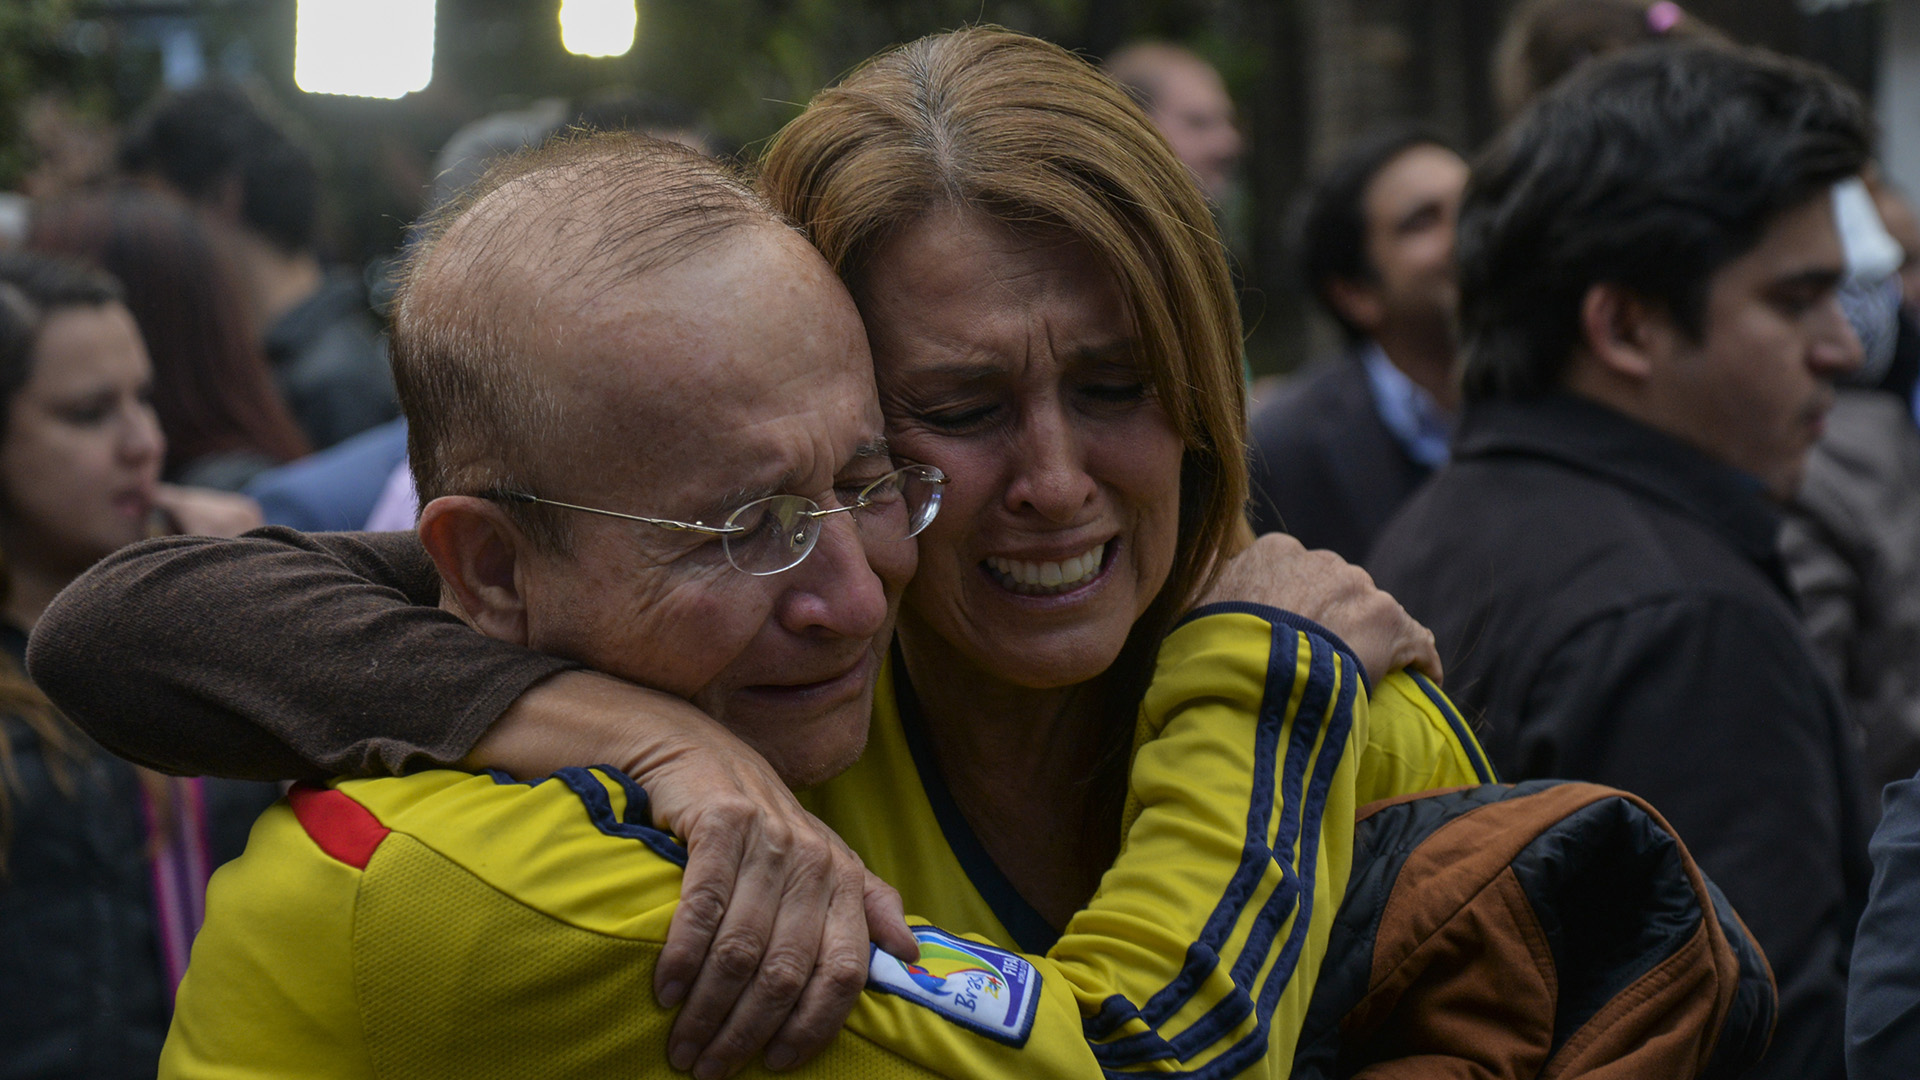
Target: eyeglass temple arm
(664, 523)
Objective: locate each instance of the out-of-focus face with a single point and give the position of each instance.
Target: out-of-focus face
(1897, 214)
(740, 372)
(1412, 208)
(1192, 109)
(83, 448)
(1754, 392)
(1010, 363)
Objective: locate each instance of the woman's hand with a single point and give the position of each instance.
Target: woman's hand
(192, 511)
(768, 947)
(1319, 585)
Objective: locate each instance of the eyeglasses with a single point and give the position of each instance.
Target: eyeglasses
(776, 533)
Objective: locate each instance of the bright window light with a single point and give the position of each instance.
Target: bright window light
(598, 27)
(363, 48)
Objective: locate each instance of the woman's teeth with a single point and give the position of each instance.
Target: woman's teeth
(1042, 578)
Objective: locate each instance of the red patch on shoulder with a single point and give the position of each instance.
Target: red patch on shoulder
(343, 828)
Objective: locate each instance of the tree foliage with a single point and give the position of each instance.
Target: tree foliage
(31, 60)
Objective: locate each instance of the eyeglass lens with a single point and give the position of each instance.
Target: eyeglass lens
(781, 530)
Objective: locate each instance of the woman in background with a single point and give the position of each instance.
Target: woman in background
(223, 418)
(103, 866)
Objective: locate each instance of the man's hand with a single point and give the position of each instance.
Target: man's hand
(768, 947)
(1319, 585)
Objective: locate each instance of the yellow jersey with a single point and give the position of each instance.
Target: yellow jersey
(453, 924)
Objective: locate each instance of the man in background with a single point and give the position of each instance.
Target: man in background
(1341, 447)
(222, 151)
(1648, 269)
(1187, 100)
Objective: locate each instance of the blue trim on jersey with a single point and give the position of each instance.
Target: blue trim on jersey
(1254, 1045)
(1279, 616)
(1203, 956)
(1031, 931)
(1295, 892)
(635, 824)
(1300, 823)
(1481, 768)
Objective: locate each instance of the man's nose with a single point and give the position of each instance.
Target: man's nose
(1835, 350)
(835, 589)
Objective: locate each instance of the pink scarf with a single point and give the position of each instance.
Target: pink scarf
(180, 862)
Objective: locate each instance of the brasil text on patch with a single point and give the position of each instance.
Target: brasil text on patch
(977, 986)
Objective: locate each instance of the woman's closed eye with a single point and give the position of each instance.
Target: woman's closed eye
(958, 419)
(89, 411)
(1117, 393)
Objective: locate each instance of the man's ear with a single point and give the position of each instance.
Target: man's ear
(1358, 301)
(1623, 332)
(479, 552)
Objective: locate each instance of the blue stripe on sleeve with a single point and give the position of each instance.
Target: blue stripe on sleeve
(1254, 1045)
(1202, 956)
(1459, 725)
(600, 811)
(1301, 816)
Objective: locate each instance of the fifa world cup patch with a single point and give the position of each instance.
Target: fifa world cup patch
(981, 988)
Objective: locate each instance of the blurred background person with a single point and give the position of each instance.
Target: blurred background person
(218, 406)
(1187, 100)
(220, 149)
(1339, 448)
(103, 866)
(1852, 535)
(1546, 39)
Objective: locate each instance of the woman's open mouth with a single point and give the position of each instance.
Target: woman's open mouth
(1047, 578)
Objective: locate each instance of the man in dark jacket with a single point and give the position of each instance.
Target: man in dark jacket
(1647, 270)
(1342, 446)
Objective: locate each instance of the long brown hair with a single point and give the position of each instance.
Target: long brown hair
(212, 387)
(1042, 141)
(32, 288)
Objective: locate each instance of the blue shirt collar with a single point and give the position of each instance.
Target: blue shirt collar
(1416, 421)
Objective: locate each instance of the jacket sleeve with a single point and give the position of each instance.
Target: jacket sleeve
(275, 656)
(1201, 948)
(1704, 704)
(1883, 995)
(1417, 741)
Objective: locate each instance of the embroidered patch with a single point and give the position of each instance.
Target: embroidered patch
(987, 990)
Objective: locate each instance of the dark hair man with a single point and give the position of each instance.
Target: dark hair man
(215, 146)
(1341, 447)
(1648, 263)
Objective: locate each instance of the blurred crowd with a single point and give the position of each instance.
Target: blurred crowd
(1625, 410)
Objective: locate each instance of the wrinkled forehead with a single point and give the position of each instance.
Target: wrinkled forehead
(742, 369)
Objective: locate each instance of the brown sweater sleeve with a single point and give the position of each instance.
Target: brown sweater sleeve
(280, 655)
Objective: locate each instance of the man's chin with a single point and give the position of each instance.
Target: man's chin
(806, 747)
(804, 767)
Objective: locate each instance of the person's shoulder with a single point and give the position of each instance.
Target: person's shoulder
(335, 489)
(578, 846)
(1518, 519)
(1327, 392)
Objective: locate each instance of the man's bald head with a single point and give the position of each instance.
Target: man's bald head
(500, 275)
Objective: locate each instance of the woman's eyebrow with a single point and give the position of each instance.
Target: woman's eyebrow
(1122, 350)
